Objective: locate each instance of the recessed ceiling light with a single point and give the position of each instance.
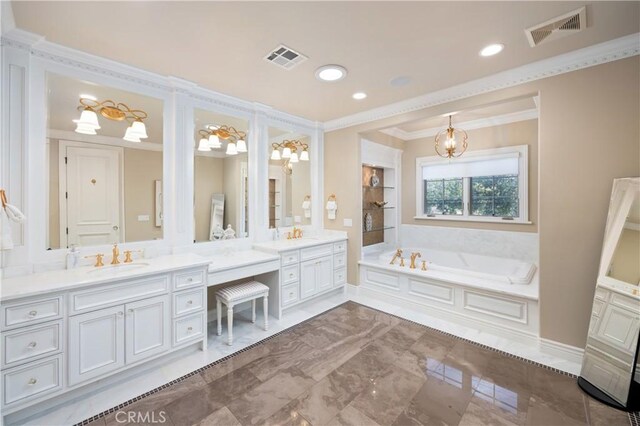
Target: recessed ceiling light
(359, 96)
(492, 49)
(85, 96)
(331, 73)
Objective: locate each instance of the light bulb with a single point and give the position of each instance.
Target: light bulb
(139, 129)
(232, 149)
(294, 158)
(304, 155)
(88, 118)
(241, 145)
(275, 155)
(203, 145)
(131, 136)
(286, 152)
(214, 141)
(85, 130)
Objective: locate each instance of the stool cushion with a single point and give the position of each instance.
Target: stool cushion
(242, 291)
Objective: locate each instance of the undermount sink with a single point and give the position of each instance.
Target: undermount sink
(114, 269)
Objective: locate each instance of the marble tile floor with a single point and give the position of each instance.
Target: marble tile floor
(353, 365)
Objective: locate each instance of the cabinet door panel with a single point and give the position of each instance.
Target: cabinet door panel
(325, 273)
(619, 327)
(147, 328)
(308, 279)
(96, 343)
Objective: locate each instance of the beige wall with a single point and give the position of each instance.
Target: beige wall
(141, 169)
(589, 134)
(208, 181)
(521, 133)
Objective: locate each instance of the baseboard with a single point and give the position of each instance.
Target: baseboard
(351, 289)
(562, 350)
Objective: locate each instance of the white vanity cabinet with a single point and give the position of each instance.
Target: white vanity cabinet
(76, 337)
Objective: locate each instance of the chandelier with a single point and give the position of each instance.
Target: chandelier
(88, 122)
(211, 136)
(450, 143)
(290, 153)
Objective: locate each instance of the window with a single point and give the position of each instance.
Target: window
(486, 186)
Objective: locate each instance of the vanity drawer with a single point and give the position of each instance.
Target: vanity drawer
(339, 277)
(187, 302)
(188, 328)
(339, 260)
(32, 312)
(624, 302)
(290, 294)
(340, 247)
(31, 343)
(32, 380)
(188, 279)
(290, 258)
(290, 274)
(109, 295)
(601, 293)
(316, 251)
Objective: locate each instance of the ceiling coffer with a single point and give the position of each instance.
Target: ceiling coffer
(285, 57)
(558, 27)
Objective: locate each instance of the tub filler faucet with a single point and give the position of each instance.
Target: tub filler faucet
(396, 256)
(413, 260)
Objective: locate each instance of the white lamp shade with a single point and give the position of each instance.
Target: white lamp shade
(88, 118)
(139, 129)
(275, 155)
(304, 155)
(294, 158)
(214, 141)
(232, 149)
(130, 136)
(241, 145)
(85, 130)
(203, 145)
(286, 152)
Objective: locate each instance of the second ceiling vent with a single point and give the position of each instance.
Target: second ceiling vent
(558, 27)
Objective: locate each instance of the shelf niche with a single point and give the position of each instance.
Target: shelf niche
(371, 195)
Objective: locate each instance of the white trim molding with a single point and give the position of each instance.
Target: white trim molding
(612, 50)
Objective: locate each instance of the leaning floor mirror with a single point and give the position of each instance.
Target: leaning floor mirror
(610, 370)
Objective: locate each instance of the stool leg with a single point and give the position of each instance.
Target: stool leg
(253, 314)
(265, 307)
(230, 324)
(219, 313)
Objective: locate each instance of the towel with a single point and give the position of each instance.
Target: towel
(332, 207)
(306, 206)
(6, 241)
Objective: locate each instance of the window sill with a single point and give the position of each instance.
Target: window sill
(475, 219)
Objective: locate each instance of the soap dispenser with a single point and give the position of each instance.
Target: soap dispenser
(73, 257)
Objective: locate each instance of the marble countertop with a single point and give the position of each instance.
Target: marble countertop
(237, 258)
(285, 245)
(66, 279)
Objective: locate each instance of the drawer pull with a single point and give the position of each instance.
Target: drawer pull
(130, 311)
(32, 345)
(290, 275)
(291, 294)
(189, 302)
(189, 329)
(32, 381)
(290, 258)
(189, 280)
(32, 314)
(120, 313)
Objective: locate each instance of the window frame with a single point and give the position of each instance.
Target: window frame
(521, 151)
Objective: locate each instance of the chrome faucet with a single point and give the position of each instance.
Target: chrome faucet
(413, 260)
(395, 256)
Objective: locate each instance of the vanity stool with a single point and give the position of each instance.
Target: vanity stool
(240, 293)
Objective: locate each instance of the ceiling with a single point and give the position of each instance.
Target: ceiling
(221, 45)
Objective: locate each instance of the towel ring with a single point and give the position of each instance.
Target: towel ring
(307, 198)
(332, 197)
(3, 198)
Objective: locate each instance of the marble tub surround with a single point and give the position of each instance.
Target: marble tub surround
(512, 245)
(377, 370)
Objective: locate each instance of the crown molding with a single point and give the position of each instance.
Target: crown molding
(612, 50)
(512, 117)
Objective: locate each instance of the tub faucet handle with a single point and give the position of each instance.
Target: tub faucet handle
(402, 261)
(424, 265)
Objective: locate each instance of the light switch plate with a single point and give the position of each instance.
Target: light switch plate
(143, 218)
(347, 223)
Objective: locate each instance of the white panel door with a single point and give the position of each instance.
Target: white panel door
(93, 196)
(147, 328)
(96, 343)
(308, 277)
(324, 268)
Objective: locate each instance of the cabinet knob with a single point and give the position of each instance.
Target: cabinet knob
(291, 275)
(189, 302)
(32, 381)
(189, 329)
(190, 279)
(32, 345)
(33, 313)
(130, 311)
(120, 313)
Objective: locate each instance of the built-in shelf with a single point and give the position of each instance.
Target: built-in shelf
(377, 187)
(378, 229)
(379, 208)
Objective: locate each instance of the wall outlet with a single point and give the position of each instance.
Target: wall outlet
(143, 218)
(347, 223)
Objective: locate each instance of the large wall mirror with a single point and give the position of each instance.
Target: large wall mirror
(104, 160)
(610, 370)
(289, 179)
(220, 177)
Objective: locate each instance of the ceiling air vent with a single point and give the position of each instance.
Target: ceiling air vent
(285, 57)
(558, 27)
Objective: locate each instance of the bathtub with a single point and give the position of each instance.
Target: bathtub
(495, 269)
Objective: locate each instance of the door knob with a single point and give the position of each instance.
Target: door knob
(116, 227)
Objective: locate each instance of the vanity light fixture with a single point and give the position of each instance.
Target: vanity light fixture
(88, 122)
(331, 73)
(211, 135)
(290, 153)
(492, 49)
(450, 143)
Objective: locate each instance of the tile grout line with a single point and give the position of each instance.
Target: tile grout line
(634, 417)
